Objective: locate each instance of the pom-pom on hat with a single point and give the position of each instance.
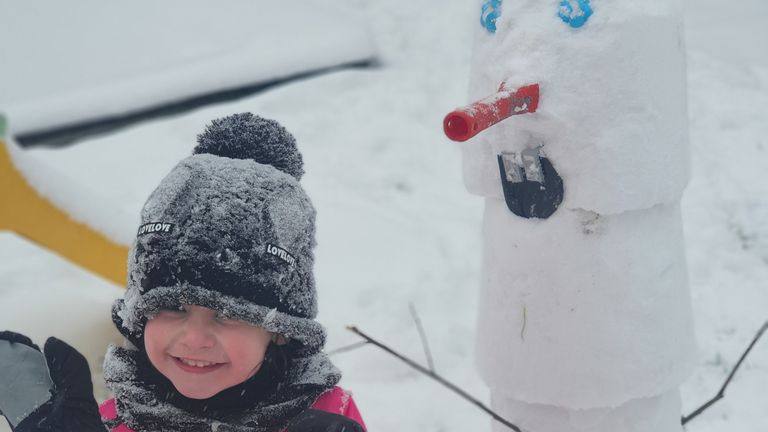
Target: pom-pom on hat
(230, 229)
(246, 136)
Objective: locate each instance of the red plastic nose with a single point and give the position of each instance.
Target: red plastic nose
(457, 126)
(466, 122)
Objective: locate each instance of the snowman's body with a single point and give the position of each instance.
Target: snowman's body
(585, 320)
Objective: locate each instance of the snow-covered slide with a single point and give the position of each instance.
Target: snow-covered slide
(585, 317)
(73, 220)
(91, 62)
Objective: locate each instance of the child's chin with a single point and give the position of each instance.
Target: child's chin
(195, 393)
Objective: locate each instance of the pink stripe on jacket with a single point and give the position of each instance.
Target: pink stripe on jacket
(335, 400)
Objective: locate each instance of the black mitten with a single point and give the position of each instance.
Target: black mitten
(25, 384)
(46, 392)
(313, 420)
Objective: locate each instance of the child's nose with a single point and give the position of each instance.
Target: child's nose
(198, 334)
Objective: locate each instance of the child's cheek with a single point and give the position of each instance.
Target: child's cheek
(246, 347)
(155, 335)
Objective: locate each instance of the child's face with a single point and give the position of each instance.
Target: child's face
(202, 354)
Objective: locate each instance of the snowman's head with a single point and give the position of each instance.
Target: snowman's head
(612, 114)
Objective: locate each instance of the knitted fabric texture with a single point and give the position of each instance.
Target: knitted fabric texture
(140, 408)
(234, 235)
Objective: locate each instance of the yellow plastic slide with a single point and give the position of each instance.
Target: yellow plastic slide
(26, 212)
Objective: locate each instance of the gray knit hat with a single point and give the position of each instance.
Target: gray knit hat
(230, 229)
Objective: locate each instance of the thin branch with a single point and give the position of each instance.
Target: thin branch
(525, 321)
(721, 393)
(346, 348)
(437, 378)
(423, 336)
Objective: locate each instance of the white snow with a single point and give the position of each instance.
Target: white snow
(659, 413)
(153, 53)
(607, 293)
(395, 224)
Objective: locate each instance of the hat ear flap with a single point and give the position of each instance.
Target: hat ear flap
(136, 338)
(279, 339)
(276, 361)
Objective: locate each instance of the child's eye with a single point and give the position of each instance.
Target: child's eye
(228, 320)
(223, 318)
(176, 310)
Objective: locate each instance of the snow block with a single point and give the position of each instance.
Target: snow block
(612, 114)
(583, 310)
(30, 213)
(659, 413)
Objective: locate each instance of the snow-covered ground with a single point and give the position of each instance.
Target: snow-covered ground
(395, 225)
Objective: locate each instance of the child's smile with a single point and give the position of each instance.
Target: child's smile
(196, 366)
(202, 353)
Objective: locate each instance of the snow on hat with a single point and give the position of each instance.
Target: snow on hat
(230, 229)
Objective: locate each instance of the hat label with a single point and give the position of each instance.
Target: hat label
(153, 227)
(281, 253)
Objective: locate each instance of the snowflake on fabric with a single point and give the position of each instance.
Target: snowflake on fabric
(575, 17)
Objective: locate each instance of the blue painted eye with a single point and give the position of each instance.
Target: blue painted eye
(491, 11)
(572, 17)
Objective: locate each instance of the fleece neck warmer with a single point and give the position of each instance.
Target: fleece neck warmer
(147, 402)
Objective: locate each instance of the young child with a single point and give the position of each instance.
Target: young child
(220, 305)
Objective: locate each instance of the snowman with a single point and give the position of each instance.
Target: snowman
(578, 144)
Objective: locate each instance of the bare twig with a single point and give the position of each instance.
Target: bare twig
(525, 321)
(436, 377)
(423, 335)
(431, 373)
(346, 348)
(721, 393)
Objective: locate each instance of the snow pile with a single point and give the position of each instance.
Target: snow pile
(150, 54)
